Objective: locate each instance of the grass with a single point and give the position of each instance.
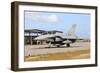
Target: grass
(80, 54)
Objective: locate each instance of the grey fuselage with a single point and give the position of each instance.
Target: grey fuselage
(57, 38)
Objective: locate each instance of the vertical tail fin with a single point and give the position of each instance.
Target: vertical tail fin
(71, 31)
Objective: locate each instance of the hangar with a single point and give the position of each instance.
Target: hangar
(30, 34)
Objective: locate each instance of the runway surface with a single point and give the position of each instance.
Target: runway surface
(43, 49)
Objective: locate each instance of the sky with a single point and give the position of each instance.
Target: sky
(61, 21)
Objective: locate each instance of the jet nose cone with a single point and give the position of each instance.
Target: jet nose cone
(39, 38)
(36, 38)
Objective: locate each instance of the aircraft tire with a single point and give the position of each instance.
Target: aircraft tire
(68, 45)
(58, 45)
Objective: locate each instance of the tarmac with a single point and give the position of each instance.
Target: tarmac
(44, 49)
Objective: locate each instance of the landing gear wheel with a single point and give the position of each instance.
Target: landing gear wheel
(68, 45)
(58, 45)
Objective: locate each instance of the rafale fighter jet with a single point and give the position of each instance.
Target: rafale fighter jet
(58, 38)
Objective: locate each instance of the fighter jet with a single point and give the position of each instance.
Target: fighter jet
(59, 38)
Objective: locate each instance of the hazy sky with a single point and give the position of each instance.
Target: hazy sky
(58, 21)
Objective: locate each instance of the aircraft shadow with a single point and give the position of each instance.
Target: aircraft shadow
(57, 47)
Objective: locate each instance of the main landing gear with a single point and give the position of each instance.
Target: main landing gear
(68, 45)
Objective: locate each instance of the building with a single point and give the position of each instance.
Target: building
(30, 34)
